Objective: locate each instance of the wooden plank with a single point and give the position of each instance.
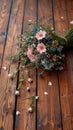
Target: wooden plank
(60, 17)
(26, 120)
(7, 86)
(65, 76)
(49, 115)
(5, 7)
(70, 12)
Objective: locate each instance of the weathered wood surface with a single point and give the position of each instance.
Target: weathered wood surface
(55, 110)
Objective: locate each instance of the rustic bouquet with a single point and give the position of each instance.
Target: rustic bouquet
(40, 48)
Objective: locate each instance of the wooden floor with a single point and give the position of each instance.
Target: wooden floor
(55, 110)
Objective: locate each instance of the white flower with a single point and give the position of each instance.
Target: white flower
(30, 109)
(45, 93)
(17, 113)
(37, 97)
(30, 80)
(28, 88)
(71, 22)
(29, 20)
(17, 92)
(10, 76)
(26, 71)
(62, 17)
(50, 83)
(52, 28)
(4, 68)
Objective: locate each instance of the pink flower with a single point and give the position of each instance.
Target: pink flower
(40, 35)
(30, 54)
(32, 58)
(30, 51)
(41, 48)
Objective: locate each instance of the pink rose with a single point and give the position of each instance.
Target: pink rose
(41, 48)
(30, 51)
(40, 35)
(30, 54)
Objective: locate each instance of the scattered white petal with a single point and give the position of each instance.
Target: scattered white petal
(52, 28)
(29, 20)
(26, 71)
(28, 88)
(17, 112)
(62, 17)
(45, 93)
(17, 92)
(37, 97)
(50, 83)
(30, 109)
(4, 68)
(30, 80)
(71, 22)
(10, 76)
(25, 53)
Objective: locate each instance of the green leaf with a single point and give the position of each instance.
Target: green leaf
(21, 79)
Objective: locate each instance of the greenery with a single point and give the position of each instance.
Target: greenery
(41, 48)
(69, 37)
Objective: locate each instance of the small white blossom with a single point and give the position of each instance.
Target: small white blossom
(34, 45)
(71, 22)
(30, 80)
(28, 88)
(52, 28)
(10, 76)
(25, 53)
(50, 83)
(37, 97)
(4, 68)
(29, 20)
(45, 93)
(30, 110)
(62, 17)
(17, 92)
(26, 71)
(17, 113)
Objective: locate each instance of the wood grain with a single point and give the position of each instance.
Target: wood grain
(26, 120)
(49, 116)
(65, 76)
(5, 8)
(60, 17)
(53, 111)
(7, 86)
